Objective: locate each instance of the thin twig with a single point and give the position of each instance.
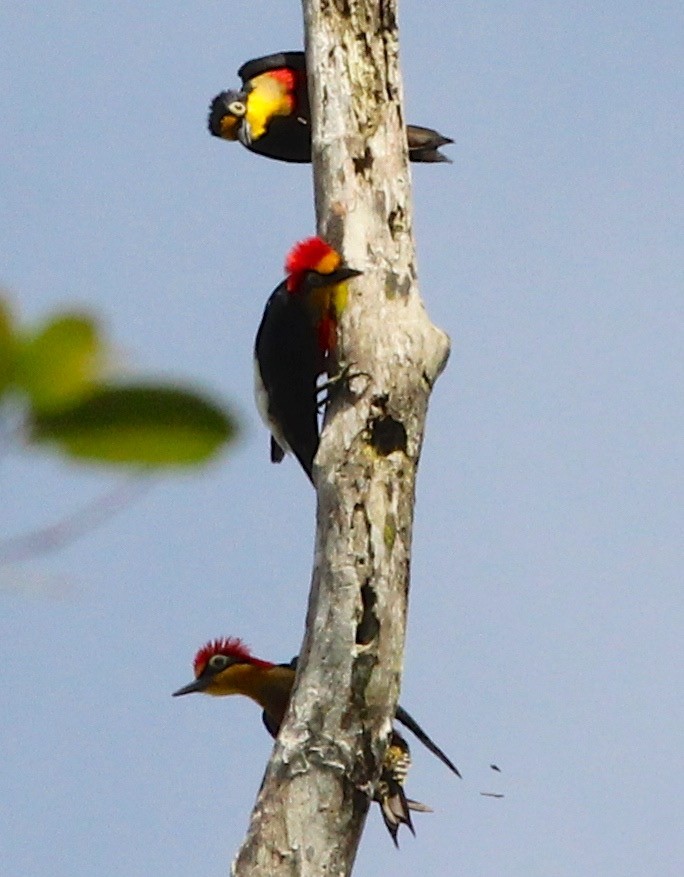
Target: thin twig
(68, 529)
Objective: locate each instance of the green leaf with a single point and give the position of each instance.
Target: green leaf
(8, 344)
(60, 363)
(138, 425)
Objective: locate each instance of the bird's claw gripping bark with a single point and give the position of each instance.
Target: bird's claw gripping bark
(342, 379)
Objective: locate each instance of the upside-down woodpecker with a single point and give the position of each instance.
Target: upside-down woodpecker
(270, 114)
(297, 334)
(226, 666)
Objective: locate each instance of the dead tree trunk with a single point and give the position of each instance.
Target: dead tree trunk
(313, 802)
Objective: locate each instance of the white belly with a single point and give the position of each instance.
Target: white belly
(261, 399)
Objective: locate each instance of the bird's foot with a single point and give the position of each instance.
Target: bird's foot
(342, 379)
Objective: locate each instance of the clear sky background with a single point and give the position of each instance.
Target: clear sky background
(545, 632)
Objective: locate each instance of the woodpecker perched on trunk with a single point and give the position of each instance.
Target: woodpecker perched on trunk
(297, 334)
(270, 114)
(226, 666)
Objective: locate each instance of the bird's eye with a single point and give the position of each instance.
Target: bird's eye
(218, 662)
(237, 108)
(313, 279)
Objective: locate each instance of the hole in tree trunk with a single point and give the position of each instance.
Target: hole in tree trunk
(388, 435)
(367, 628)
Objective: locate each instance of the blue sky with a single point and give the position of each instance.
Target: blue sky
(546, 603)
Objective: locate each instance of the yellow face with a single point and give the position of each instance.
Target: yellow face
(329, 263)
(267, 98)
(236, 679)
(228, 127)
(329, 300)
(269, 686)
(326, 304)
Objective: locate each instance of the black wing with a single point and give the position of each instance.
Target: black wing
(257, 66)
(287, 359)
(270, 724)
(288, 138)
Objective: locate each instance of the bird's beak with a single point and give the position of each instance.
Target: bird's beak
(196, 685)
(346, 274)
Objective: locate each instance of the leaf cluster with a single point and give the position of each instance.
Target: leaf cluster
(58, 374)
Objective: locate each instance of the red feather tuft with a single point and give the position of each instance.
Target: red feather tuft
(230, 646)
(285, 76)
(327, 333)
(308, 255)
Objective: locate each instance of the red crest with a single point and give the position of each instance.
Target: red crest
(231, 647)
(312, 254)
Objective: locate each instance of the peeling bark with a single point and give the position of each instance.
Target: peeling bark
(316, 792)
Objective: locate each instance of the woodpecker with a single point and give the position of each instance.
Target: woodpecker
(270, 114)
(226, 666)
(395, 807)
(297, 335)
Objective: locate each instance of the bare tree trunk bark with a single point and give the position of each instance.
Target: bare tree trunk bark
(313, 802)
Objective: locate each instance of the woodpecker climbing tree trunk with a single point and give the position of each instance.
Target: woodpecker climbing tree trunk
(313, 802)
